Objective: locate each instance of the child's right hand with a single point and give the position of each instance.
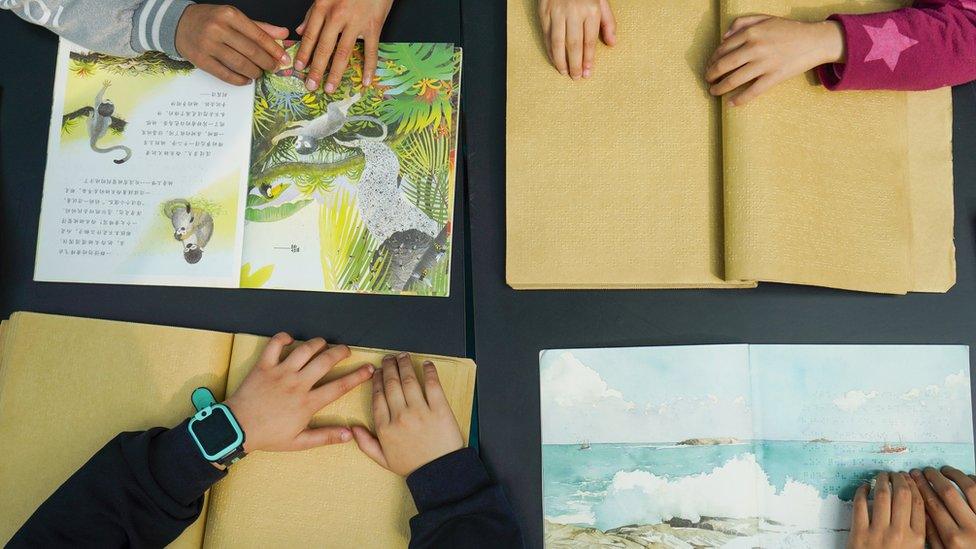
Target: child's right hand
(897, 517)
(412, 429)
(226, 43)
(570, 29)
(950, 496)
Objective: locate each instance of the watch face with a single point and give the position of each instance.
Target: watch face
(215, 432)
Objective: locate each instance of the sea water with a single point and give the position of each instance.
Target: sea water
(791, 484)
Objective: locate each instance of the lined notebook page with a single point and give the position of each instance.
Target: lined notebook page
(335, 494)
(614, 181)
(69, 385)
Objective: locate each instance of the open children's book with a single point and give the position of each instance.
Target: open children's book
(158, 173)
(69, 385)
(637, 178)
(739, 445)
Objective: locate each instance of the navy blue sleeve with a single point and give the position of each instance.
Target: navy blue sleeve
(459, 506)
(142, 489)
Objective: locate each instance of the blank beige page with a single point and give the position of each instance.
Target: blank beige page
(69, 385)
(819, 185)
(332, 496)
(614, 181)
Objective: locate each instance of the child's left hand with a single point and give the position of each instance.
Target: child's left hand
(760, 51)
(330, 30)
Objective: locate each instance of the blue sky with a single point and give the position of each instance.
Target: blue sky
(660, 394)
(870, 392)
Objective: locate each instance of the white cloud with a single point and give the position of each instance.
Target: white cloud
(568, 382)
(739, 400)
(852, 400)
(957, 380)
(912, 394)
(932, 390)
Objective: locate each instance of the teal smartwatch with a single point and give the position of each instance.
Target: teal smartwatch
(215, 429)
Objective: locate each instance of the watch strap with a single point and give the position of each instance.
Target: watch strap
(202, 398)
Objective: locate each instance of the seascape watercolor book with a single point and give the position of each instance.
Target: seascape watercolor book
(638, 178)
(158, 173)
(739, 446)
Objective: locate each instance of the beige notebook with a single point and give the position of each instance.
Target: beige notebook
(82, 381)
(637, 178)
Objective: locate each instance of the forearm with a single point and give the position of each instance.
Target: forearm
(459, 506)
(117, 27)
(140, 489)
(929, 45)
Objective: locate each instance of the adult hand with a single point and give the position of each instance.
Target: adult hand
(760, 51)
(896, 520)
(277, 399)
(329, 32)
(951, 520)
(226, 43)
(412, 429)
(570, 29)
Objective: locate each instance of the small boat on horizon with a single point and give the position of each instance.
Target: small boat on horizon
(893, 449)
(584, 445)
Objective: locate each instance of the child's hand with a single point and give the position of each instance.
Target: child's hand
(226, 43)
(951, 520)
(761, 51)
(330, 30)
(411, 430)
(897, 519)
(277, 399)
(570, 29)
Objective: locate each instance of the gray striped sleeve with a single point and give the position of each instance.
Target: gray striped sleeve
(154, 25)
(116, 27)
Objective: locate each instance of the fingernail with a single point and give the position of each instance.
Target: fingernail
(311, 84)
(345, 436)
(370, 368)
(731, 103)
(586, 73)
(367, 80)
(299, 65)
(403, 355)
(284, 58)
(428, 363)
(389, 357)
(563, 72)
(330, 87)
(916, 473)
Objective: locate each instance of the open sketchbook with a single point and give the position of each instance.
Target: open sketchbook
(739, 445)
(158, 173)
(638, 178)
(82, 381)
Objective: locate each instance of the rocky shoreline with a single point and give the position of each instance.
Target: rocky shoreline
(674, 534)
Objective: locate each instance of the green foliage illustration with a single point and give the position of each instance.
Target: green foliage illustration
(411, 105)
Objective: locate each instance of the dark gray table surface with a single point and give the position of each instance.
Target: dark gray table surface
(511, 327)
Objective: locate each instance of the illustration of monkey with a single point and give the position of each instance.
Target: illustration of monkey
(101, 117)
(309, 134)
(193, 227)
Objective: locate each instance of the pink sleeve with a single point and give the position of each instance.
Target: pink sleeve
(929, 45)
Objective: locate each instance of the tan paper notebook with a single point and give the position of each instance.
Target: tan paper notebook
(82, 381)
(637, 178)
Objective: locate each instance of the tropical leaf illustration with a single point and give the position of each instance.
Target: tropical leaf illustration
(276, 213)
(343, 239)
(414, 96)
(256, 279)
(151, 62)
(404, 65)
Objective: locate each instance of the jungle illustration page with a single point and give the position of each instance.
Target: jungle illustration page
(739, 446)
(158, 175)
